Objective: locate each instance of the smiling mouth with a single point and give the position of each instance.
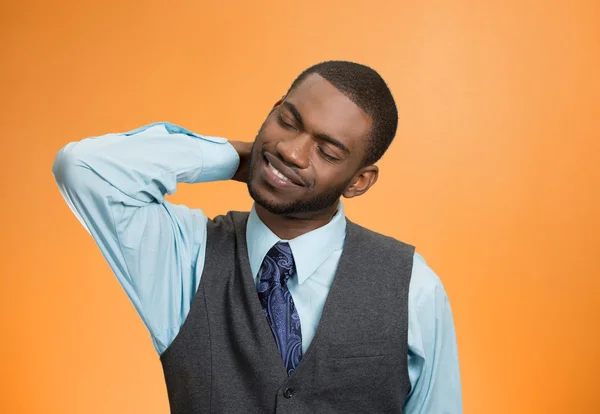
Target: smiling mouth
(277, 172)
(285, 175)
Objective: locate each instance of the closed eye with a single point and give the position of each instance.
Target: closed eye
(326, 155)
(285, 124)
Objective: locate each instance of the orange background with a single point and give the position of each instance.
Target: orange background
(494, 176)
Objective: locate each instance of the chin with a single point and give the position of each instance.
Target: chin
(266, 200)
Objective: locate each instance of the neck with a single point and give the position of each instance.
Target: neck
(288, 227)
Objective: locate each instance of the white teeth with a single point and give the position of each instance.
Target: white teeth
(277, 173)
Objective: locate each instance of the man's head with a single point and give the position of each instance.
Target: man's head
(322, 139)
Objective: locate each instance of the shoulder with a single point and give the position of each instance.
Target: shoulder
(226, 226)
(229, 220)
(378, 240)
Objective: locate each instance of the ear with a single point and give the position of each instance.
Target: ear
(364, 179)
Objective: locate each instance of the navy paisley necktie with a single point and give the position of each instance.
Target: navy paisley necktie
(278, 305)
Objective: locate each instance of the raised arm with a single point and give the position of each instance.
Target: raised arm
(116, 183)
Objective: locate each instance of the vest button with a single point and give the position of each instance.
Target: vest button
(288, 393)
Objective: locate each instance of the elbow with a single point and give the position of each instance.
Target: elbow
(66, 167)
(59, 168)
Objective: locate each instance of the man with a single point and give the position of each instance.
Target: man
(291, 307)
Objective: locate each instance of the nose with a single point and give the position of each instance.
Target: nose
(295, 151)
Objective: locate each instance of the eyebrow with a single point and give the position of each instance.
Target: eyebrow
(325, 137)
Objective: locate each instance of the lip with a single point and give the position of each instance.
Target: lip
(294, 177)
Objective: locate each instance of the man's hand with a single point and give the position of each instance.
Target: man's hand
(243, 149)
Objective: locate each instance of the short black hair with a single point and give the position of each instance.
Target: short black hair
(367, 89)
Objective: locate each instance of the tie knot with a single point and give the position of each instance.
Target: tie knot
(281, 248)
(279, 261)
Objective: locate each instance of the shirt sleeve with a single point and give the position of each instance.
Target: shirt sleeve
(116, 183)
(433, 355)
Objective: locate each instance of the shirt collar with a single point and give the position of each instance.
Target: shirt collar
(310, 249)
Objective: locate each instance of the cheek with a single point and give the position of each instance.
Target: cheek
(269, 128)
(329, 176)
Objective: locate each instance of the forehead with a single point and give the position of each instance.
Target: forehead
(325, 109)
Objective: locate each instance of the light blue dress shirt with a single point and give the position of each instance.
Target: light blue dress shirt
(115, 184)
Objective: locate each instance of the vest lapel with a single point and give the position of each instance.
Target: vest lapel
(328, 314)
(271, 355)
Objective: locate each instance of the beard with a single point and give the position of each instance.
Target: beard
(314, 203)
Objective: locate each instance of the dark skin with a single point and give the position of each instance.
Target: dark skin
(316, 137)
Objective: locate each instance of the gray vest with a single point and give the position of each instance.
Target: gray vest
(225, 360)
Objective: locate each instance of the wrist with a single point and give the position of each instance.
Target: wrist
(243, 149)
